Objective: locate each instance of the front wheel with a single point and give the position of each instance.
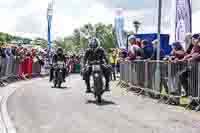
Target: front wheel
(55, 84)
(99, 100)
(59, 84)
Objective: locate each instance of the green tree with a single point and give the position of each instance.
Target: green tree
(2, 38)
(80, 37)
(106, 35)
(103, 32)
(41, 42)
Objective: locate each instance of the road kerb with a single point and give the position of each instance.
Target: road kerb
(4, 113)
(6, 125)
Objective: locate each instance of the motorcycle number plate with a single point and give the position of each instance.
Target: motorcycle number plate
(96, 68)
(60, 64)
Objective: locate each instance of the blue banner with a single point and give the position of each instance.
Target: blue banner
(183, 20)
(119, 29)
(49, 19)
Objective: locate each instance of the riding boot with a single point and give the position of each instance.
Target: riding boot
(51, 75)
(88, 87)
(107, 87)
(64, 75)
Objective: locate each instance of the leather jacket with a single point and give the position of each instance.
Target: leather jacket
(97, 54)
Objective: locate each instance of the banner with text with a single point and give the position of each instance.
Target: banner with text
(183, 20)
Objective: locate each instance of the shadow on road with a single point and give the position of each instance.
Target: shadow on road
(103, 103)
(61, 87)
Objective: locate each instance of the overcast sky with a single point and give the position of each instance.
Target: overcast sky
(28, 17)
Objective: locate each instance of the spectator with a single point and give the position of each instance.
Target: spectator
(178, 52)
(113, 62)
(3, 61)
(138, 42)
(194, 52)
(154, 55)
(132, 40)
(194, 56)
(134, 49)
(147, 49)
(118, 61)
(123, 54)
(188, 42)
(193, 40)
(8, 61)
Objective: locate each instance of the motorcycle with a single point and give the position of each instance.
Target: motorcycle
(58, 74)
(98, 84)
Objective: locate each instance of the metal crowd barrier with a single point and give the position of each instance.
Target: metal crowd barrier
(174, 77)
(12, 68)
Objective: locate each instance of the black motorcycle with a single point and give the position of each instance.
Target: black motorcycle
(58, 74)
(98, 84)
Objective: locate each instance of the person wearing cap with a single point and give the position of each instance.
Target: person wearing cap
(132, 39)
(194, 56)
(195, 50)
(178, 52)
(193, 41)
(134, 49)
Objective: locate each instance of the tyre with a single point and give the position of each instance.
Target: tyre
(55, 84)
(99, 100)
(98, 88)
(59, 84)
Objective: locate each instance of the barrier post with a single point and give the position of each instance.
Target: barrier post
(146, 75)
(169, 78)
(198, 80)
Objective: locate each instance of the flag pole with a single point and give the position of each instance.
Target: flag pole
(158, 46)
(49, 21)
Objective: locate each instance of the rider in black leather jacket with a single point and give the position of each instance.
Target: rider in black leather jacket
(95, 53)
(59, 56)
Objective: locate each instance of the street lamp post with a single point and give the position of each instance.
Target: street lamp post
(158, 47)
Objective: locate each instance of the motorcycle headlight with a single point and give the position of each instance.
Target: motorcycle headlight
(96, 67)
(96, 75)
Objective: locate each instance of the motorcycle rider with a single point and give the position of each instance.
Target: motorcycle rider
(59, 56)
(95, 53)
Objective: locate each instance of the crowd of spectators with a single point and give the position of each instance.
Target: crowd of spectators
(24, 62)
(147, 50)
(21, 62)
(73, 63)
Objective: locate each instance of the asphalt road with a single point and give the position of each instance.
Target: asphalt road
(38, 108)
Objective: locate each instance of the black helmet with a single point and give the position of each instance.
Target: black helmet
(59, 50)
(93, 43)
